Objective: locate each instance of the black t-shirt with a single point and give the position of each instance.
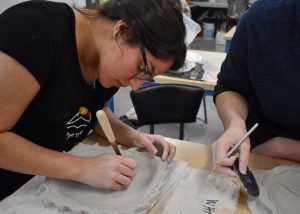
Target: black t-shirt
(263, 65)
(40, 35)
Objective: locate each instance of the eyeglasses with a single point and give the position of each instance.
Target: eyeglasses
(145, 73)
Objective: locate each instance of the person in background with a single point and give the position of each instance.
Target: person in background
(59, 65)
(236, 8)
(259, 83)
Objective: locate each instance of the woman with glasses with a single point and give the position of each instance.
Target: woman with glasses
(59, 65)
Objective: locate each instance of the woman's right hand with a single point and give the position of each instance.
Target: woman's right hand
(107, 171)
(222, 145)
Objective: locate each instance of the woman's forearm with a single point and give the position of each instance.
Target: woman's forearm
(19, 155)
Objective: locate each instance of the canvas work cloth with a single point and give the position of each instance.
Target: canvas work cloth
(201, 192)
(279, 191)
(184, 190)
(53, 196)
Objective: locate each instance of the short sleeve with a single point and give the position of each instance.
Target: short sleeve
(26, 36)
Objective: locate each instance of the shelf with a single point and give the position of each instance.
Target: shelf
(211, 3)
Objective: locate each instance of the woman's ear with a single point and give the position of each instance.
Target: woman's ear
(121, 31)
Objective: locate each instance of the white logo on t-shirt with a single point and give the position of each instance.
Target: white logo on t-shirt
(75, 126)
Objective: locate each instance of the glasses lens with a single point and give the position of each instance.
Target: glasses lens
(144, 74)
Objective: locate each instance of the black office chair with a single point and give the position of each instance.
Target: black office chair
(167, 103)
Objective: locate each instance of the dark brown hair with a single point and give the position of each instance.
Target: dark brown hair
(157, 24)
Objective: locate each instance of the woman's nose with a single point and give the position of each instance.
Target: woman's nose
(136, 84)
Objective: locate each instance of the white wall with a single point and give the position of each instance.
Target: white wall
(6, 4)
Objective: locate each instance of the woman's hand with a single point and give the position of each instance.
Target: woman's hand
(107, 171)
(221, 147)
(155, 144)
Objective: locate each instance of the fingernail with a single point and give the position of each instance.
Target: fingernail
(243, 171)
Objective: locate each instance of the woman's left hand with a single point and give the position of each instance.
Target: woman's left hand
(155, 144)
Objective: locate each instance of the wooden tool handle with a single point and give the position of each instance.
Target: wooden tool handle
(104, 122)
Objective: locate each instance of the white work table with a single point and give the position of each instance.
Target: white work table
(217, 57)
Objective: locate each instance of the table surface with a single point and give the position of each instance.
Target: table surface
(200, 156)
(209, 86)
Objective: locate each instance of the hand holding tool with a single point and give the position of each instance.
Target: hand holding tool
(248, 180)
(236, 146)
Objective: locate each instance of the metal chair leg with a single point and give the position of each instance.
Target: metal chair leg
(151, 129)
(181, 133)
(204, 109)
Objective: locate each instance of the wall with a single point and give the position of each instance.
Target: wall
(6, 4)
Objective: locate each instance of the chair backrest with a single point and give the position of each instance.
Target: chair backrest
(167, 103)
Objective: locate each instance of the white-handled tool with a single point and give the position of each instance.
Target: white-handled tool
(236, 146)
(104, 122)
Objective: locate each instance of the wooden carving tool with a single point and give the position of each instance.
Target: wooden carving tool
(104, 122)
